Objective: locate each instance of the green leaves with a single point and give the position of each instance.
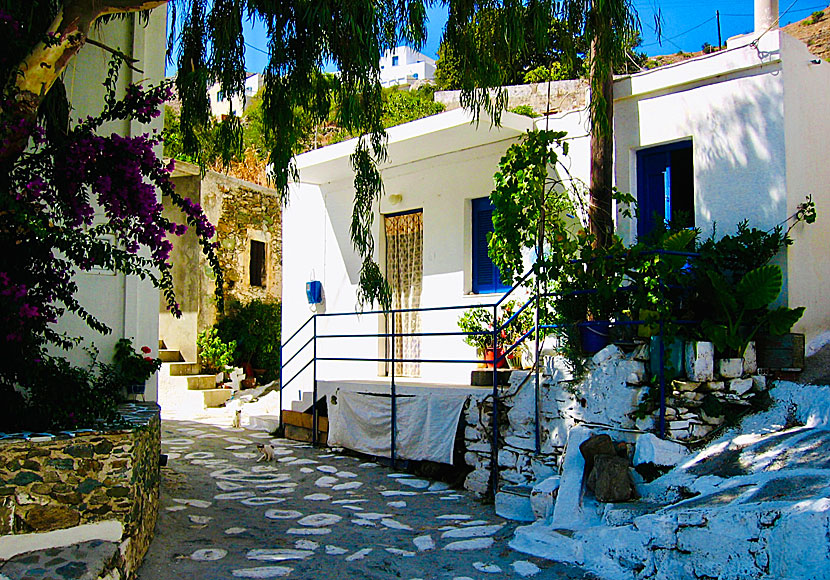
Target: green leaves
(760, 287)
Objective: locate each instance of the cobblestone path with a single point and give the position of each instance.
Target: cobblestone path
(312, 514)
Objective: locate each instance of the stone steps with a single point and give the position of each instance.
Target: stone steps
(181, 369)
(200, 382)
(168, 355)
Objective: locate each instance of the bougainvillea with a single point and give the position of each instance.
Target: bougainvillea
(77, 200)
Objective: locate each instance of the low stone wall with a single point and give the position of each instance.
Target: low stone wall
(613, 394)
(77, 479)
(610, 391)
(564, 96)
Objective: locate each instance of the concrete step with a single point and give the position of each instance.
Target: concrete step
(201, 382)
(167, 355)
(180, 369)
(304, 404)
(215, 397)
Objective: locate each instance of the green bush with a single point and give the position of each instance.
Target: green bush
(525, 110)
(55, 395)
(255, 329)
(215, 355)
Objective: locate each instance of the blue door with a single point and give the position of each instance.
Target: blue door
(665, 186)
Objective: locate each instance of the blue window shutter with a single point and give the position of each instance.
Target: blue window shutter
(486, 278)
(652, 173)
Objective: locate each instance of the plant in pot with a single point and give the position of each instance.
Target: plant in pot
(590, 290)
(740, 311)
(479, 322)
(661, 276)
(215, 355)
(255, 328)
(131, 368)
(513, 332)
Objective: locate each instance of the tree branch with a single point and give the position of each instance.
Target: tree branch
(128, 60)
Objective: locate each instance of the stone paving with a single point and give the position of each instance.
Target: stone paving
(312, 514)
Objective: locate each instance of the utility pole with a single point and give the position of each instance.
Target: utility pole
(720, 42)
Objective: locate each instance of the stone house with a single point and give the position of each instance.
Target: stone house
(248, 228)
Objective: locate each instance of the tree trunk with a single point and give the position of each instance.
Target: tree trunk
(602, 136)
(44, 64)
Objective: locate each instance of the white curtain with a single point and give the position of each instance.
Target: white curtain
(404, 271)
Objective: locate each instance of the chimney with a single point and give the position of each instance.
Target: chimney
(766, 15)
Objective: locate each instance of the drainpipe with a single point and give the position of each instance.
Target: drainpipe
(766, 15)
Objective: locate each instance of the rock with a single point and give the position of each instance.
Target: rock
(513, 503)
(641, 353)
(610, 479)
(685, 386)
(700, 361)
(594, 446)
(740, 386)
(507, 459)
(714, 421)
(712, 386)
(651, 449)
(730, 368)
(678, 425)
(51, 517)
(759, 382)
(478, 481)
(543, 497)
(699, 431)
(471, 459)
(750, 361)
(541, 471)
(608, 353)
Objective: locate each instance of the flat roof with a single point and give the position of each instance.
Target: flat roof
(425, 138)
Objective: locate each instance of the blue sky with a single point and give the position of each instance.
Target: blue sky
(685, 25)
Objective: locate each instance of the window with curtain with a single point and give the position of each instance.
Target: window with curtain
(404, 272)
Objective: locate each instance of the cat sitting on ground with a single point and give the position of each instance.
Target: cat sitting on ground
(267, 450)
(237, 419)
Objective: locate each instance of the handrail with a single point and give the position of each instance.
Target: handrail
(498, 354)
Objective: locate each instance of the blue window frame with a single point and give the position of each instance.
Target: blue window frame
(394, 61)
(665, 186)
(486, 277)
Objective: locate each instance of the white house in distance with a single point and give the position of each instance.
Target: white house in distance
(222, 104)
(402, 66)
(738, 134)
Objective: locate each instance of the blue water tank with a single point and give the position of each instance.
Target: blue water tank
(314, 291)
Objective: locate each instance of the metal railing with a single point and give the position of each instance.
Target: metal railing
(536, 332)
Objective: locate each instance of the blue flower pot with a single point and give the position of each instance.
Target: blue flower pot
(594, 335)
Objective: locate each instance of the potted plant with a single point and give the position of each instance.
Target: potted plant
(215, 355)
(740, 311)
(255, 328)
(131, 368)
(480, 321)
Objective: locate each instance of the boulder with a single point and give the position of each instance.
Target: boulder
(652, 449)
(596, 445)
(610, 479)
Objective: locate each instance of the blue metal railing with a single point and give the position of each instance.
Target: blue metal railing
(536, 332)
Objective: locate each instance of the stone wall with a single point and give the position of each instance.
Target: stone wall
(564, 96)
(248, 212)
(58, 482)
(613, 394)
(241, 211)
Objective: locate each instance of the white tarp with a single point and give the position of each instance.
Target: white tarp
(426, 423)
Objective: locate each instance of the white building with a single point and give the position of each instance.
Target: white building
(738, 134)
(439, 170)
(402, 66)
(222, 104)
(127, 304)
(733, 135)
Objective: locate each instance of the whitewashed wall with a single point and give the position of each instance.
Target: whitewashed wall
(731, 106)
(807, 134)
(128, 305)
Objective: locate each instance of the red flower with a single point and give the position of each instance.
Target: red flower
(148, 359)
(145, 349)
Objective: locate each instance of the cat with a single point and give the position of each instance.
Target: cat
(268, 452)
(237, 419)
